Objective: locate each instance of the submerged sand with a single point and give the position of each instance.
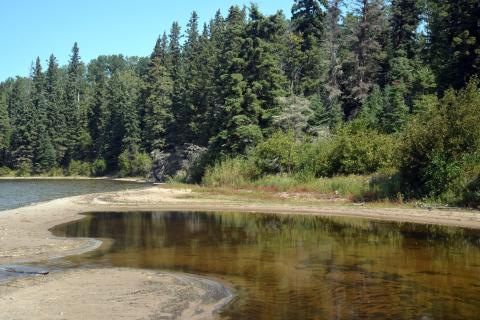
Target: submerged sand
(137, 294)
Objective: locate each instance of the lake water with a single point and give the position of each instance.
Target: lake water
(18, 193)
(300, 267)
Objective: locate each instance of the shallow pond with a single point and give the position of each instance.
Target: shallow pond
(18, 193)
(300, 267)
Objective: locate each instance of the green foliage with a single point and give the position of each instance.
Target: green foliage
(360, 151)
(24, 168)
(439, 144)
(134, 164)
(6, 172)
(454, 41)
(385, 184)
(278, 154)
(308, 23)
(78, 168)
(99, 168)
(157, 91)
(352, 88)
(235, 172)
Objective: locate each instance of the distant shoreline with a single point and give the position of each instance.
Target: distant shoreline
(137, 180)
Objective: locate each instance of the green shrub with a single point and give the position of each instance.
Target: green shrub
(6, 172)
(360, 152)
(79, 168)
(278, 154)
(55, 172)
(24, 168)
(437, 153)
(464, 188)
(471, 194)
(99, 168)
(384, 185)
(134, 164)
(313, 159)
(235, 172)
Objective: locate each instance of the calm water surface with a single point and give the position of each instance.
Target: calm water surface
(18, 193)
(294, 267)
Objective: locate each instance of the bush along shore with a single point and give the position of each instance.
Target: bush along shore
(363, 102)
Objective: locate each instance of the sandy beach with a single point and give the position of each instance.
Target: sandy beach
(25, 237)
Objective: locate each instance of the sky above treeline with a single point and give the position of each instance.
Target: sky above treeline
(31, 28)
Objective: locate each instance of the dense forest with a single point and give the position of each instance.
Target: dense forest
(384, 89)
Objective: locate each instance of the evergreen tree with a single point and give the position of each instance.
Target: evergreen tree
(158, 90)
(23, 126)
(56, 122)
(372, 108)
(192, 84)
(266, 80)
(75, 109)
(5, 127)
(454, 40)
(177, 131)
(124, 126)
(331, 48)
(405, 18)
(236, 130)
(99, 114)
(43, 151)
(308, 22)
(206, 91)
(395, 111)
(368, 49)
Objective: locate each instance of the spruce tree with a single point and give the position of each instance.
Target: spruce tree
(333, 91)
(395, 111)
(75, 109)
(124, 128)
(99, 114)
(205, 90)
(177, 131)
(236, 129)
(192, 85)
(56, 122)
(43, 150)
(23, 126)
(454, 40)
(266, 80)
(404, 21)
(308, 18)
(158, 90)
(5, 127)
(368, 48)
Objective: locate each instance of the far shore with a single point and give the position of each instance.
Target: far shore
(133, 179)
(25, 237)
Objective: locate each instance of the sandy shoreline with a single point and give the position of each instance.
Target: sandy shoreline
(24, 237)
(111, 294)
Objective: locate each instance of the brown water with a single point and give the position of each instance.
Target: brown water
(299, 267)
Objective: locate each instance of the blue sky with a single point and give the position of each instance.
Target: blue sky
(31, 28)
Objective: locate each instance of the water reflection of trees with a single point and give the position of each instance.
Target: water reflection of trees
(300, 266)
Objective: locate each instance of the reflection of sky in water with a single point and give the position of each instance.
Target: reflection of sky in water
(18, 193)
(299, 267)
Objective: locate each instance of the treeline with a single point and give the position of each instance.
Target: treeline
(366, 69)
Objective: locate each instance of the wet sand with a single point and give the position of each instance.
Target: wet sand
(111, 294)
(24, 237)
